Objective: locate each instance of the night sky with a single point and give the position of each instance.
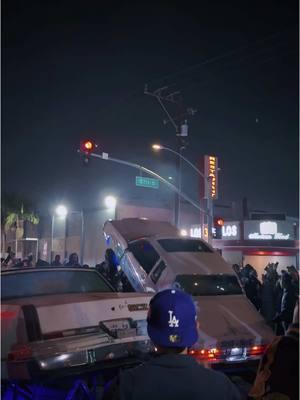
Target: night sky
(76, 70)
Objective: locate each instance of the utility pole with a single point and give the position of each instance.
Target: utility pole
(181, 129)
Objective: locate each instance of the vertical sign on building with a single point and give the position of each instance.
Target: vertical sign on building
(211, 174)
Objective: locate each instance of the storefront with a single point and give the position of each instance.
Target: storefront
(257, 243)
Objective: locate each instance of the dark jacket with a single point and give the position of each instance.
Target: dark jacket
(174, 377)
(278, 371)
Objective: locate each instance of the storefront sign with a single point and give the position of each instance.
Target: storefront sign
(268, 230)
(230, 231)
(195, 231)
(211, 175)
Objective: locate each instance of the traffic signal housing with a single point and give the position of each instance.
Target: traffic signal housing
(87, 146)
(218, 224)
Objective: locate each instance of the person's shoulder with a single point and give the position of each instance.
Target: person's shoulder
(218, 383)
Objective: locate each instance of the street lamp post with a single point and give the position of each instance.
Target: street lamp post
(61, 211)
(82, 234)
(207, 180)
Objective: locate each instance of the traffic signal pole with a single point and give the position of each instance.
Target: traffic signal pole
(104, 156)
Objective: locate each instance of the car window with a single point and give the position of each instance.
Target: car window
(37, 283)
(158, 271)
(208, 285)
(184, 245)
(145, 254)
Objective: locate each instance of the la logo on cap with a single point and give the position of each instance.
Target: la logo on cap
(173, 321)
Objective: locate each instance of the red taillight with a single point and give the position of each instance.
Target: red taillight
(8, 314)
(206, 354)
(19, 354)
(256, 350)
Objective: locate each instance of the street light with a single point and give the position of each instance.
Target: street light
(61, 211)
(110, 202)
(158, 147)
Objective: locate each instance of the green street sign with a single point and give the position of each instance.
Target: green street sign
(147, 182)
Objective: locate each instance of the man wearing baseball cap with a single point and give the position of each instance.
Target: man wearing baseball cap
(172, 374)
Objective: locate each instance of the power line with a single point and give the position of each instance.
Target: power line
(218, 57)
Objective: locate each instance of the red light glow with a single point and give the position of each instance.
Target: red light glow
(8, 314)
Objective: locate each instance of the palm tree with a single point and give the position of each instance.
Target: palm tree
(13, 210)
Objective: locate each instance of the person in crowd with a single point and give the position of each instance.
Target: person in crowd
(172, 373)
(85, 266)
(252, 288)
(56, 262)
(288, 301)
(73, 260)
(278, 373)
(111, 270)
(292, 271)
(267, 299)
(41, 263)
(30, 260)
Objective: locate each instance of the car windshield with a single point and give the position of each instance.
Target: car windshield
(208, 285)
(41, 283)
(184, 245)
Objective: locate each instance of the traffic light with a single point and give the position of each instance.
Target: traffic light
(86, 148)
(218, 224)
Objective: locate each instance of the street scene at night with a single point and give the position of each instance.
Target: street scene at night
(150, 200)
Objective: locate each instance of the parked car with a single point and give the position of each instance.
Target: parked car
(55, 319)
(154, 256)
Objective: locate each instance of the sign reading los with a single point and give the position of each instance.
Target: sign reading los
(211, 175)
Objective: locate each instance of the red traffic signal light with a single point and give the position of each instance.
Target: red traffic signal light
(219, 221)
(87, 146)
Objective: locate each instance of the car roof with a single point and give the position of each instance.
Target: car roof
(136, 228)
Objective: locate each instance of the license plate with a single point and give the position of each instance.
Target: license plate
(117, 324)
(236, 351)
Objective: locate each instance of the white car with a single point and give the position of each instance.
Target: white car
(55, 319)
(154, 256)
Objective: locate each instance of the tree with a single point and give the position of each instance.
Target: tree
(14, 209)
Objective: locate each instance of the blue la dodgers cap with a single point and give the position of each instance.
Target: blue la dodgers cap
(172, 319)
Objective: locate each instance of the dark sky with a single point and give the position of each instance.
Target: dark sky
(75, 70)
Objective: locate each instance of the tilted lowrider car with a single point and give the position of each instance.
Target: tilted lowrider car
(154, 256)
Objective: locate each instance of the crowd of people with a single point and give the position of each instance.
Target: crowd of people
(109, 268)
(275, 296)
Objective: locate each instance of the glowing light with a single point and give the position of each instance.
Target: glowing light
(183, 232)
(61, 211)
(156, 147)
(110, 202)
(88, 145)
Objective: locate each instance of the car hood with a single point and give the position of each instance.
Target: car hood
(196, 263)
(229, 321)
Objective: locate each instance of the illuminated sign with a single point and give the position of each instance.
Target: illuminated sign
(229, 231)
(195, 231)
(268, 230)
(211, 175)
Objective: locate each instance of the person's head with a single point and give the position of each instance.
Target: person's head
(73, 258)
(172, 321)
(57, 258)
(285, 280)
